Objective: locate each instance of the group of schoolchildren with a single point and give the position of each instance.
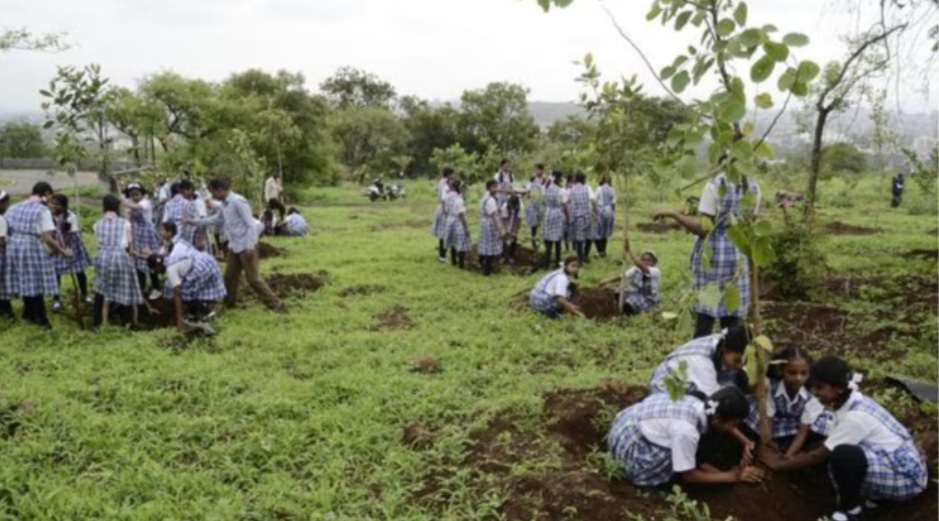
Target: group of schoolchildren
(564, 210)
(41, 241)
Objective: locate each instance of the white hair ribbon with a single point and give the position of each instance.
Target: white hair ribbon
(723, 333)
(711, 408)
(856, 378)
(3, 195)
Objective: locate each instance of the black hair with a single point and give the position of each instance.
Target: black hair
(457, 186)
(833, 371)
(503, 162)
(580, 177)
(134, 186)
(539, 166)
(155, 262)
(111, 203)
(732, 404)
(737, 339)
(292, 211)
(42, 188)
(782, 357)
(557, 175)
(186, 184)
(605, 179)
(570, 258)
(174, 189)
(4, 196)
(61, 200)
(490, 183)
(219, 184)
(447, 171)
(170, 226)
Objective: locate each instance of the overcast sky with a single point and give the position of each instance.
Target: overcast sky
(432, 48)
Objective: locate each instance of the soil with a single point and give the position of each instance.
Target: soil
(391, 224)
(266, 251)
(425, 364)
(922, 254)
(288, 284)
(418, 436)
(574, 424)
(361, 290)
(525, 262)
(659, 227)
(598, 303)
(840, 228)
(393, 319)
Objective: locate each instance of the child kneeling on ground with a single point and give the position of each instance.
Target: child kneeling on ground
(554, 293)
(871, 456)
(657, 439)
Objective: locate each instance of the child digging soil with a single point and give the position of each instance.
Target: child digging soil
(554, 294)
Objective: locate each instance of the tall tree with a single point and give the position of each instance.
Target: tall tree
(354, 88)
(497, 117)
(369, 138)
(429, 128)
(21, 139)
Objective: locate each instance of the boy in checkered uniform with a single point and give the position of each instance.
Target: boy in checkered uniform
(6, 309)
(458, 235)
(871, 456)
(657, 439)
(69, 233)
(491, 232)
(115, 274)
(555, 215)
(554, 293)
(721, 201)
(439, 228)
(30, 270)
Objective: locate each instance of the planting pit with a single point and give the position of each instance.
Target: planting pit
(393, 319)
(598, 303)
(265, 250)
(525, 262)
(361, 290)
(572, 428)
(840, 228)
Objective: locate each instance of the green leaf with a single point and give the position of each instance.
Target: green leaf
(748, 128)
(48, 124)
(545, 4)
(763, 228)
(726, 27)
(778, 51)
(710, 296)
(751, 37)
(731, 298)
(808, 71)
(733, 111)
(743, 150)
(764, 101)
(667, 72)
(45, 93)
(763, 253)
(674, 137)
(796, 40)
(588, 59)
(701, 68)
(762, 69)
(787, 80)
(679, 61)
(740, 14)
(669, 315)
(766, 151)
(682, 19)
(707, 252)
(680, 81)
(764, 343)
(800, 89)
(770, 28)
(653, 13)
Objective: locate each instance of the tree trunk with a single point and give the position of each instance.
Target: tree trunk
(816, 164)
(757, 322)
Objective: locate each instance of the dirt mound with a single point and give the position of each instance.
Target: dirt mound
(840, 228)
(394, 318)
(288, 284)
(361, 290)
(525, 262)
(659, 227)
(425, 365)
(267, 251)
(576, 485)
(922, 254)
(598, 303)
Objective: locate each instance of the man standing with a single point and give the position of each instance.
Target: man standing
(897, 190)
(273, 189)
(30, 270)
(240, 226)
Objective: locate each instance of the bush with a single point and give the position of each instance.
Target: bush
(800, 267)
(921, 204)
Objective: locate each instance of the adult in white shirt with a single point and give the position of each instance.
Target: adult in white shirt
(439, 228)
(871, 456)
(273, 189)
(554, 293)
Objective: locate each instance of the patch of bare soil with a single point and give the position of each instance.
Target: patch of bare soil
(922, 254)
(525, 262)
(840, 228)
(391, 224)
(598, 303)
(395, 318)
(425, 365)
(288, 284)
(361, 290)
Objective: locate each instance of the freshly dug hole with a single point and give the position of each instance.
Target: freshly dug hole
(840, 228)
(525, 261)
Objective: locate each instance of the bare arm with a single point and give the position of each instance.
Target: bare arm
(570, 307)
(49, 239)
(802, 435)
(690, 224)
(776, 462)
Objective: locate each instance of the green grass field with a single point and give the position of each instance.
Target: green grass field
(300, 417)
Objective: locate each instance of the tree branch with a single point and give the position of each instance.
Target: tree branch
(850, 61)
(721, 64)
(774, 122)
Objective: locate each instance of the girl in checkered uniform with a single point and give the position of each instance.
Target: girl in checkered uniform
(439, 228)
(555, 214)
(554, 293)
(115, 274)
(797, 419)
(581, 214)
(490, 229)
(144, 238)
(181, 211)
(643, 283)
(871, 456)
(458, 236)
(721, 201)
(6, 309)
(657, 439)
(606, 204)
(69, 234)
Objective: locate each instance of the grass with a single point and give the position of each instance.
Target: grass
(301, 416)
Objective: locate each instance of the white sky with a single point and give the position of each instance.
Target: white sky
(432, 48)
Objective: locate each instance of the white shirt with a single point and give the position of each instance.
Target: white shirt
(202, 210)
(813, 408)
(853, 427)
(678, 435)
(711, 199)
(3, 227)
(565, 195)
(272, 189)
(146, 208)
(459, 206)
(700, 371)
(558, 286)
(164, 194)
(591, 193)
(179, 262)
(443, 188)
(490, 206)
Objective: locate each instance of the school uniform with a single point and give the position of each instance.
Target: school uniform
(30, 269)
(565, 201)
(196, 272)
(581, 217)
(80, 259)
(535, 207)
(295, 225)
(606, 198)
(727, 262)
(143, 234)
(642, 289)
(115, 272)
(544, 297)
(439, 228)
(490, 244)
(895, 468)
(787, 414)
(201, 233)
(553, 230)
(177, 210)
(5, 309)
(704, 371)
(457, 236)
(657, 438)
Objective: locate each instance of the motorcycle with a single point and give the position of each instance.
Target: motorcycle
(375, 192)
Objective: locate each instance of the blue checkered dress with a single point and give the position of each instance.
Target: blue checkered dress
(204, 282)
(581, 216)
(553, 214)
(80, 260)
(144, 237)
(3, 263)
(30, 270)
(892, 475)
(705, 347)
(787, 420)
(177, 209)
(115, 272)
(533, 213)
(439, 228)
(506, 183)
(642, 291)
(457, 236)
(605, 198)
(646, 464)
(490, 244)
(540, 300)
(296, 225)
(726, 257)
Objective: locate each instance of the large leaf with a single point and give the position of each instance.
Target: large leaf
(764, 101)
(778, 51)
(682, 19)
(808, 71)
(680, 81)
(726, 27)
(710, 296)
(667, 72)
(763, 253)
(763, 228)
(787, 80)
(751, 37)
(731, 298)
(796, 40)
(740, 14)
(733, 111)
(653, 13)
(762, 69)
